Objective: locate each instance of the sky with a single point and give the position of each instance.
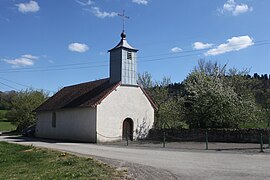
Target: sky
(49, 44)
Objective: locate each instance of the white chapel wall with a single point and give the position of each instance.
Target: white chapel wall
(71, 124)
(124, 102)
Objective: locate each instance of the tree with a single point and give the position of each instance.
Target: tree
(145, 80)
(210, 102)
(240, 82)
(262, 95)
(6, 99)
(210, 68)
(168, 113)
(21, 113)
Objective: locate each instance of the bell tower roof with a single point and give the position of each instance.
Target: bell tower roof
(124, 44)
(123, 63)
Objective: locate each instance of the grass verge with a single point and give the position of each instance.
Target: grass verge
(27, 162)
(6, 126)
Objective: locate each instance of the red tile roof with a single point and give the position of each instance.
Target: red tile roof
(88, 94)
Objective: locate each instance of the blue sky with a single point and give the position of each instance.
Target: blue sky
(49, 44)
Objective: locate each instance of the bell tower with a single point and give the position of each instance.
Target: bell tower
(123, 63)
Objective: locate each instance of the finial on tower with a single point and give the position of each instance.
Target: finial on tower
(124, 17)
(123, 35)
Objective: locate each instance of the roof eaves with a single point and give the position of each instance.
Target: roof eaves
(106, 95)
(149, 98)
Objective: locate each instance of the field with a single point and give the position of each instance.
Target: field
(5, 125)
(27, 162)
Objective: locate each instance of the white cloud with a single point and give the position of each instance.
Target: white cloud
(144, 2)
(32, 6)
(29, 56)
(176, 49)
(239, 9)
(89, 6)
(233, 44)
(85, 3)
(96, 11)
(78, 47)
(235, 9)
(200, 45)
(24, 60)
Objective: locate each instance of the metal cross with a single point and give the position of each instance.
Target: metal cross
(124, 17)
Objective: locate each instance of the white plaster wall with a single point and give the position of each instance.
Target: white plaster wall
(71, 124)
(124, 102)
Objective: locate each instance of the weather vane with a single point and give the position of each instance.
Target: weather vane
(124, 17)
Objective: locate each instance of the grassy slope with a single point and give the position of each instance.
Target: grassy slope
(26, 162)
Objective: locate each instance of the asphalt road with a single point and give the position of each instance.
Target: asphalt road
(168, 164)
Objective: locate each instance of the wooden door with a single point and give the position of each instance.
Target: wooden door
(127, 129)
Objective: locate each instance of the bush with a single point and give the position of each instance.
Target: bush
(21, 113)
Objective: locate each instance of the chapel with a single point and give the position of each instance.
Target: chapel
(105, 110)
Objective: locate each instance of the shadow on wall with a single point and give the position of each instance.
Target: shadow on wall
(142, 129)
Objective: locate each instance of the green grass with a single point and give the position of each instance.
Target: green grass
(6, 126)
(3, 114)
(254, 125)
(27, 162)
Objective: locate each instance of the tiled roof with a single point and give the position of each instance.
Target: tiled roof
(87, 94)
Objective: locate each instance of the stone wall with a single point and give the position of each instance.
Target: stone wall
(214, 135)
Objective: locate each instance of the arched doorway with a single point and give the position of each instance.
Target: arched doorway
(127, 129)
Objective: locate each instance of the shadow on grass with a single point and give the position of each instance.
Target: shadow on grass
(17, 137)
(4, 120)
(10, 133)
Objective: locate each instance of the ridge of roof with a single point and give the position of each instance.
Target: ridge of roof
(88, 94)
(79, 95)
(104, 79)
